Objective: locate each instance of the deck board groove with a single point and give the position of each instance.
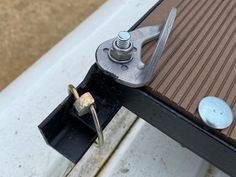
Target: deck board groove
(199, 58)
(187, 36)
(206, 61)
(198, 55)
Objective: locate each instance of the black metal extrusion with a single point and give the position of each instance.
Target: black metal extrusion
(72, 135)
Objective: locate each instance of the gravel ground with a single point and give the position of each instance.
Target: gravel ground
(29, 28)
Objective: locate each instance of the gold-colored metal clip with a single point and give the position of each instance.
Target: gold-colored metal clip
(84, 105)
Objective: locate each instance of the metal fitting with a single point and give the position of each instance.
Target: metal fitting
(123, 40)
(215, 112)
(121, 50)
(125, 65)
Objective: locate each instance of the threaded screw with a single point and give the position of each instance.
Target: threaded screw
(123, 40)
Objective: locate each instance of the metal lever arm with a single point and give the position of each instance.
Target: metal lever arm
(135, 73)
(149, 69)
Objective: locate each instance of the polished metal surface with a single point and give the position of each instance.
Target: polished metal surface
(134, 73)
(215, 112)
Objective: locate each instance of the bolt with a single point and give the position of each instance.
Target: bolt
(121, 50)
(123, 40)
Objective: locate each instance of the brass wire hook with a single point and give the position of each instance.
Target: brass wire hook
(72, 89)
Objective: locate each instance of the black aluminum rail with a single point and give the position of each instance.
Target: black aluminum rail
(72, 135)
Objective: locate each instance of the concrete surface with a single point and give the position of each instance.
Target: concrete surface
(28, 29)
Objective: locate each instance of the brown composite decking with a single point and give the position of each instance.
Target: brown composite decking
(200, 56)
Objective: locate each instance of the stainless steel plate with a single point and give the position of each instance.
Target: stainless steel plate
(215, 112)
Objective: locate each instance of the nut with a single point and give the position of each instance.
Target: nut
(120, 55)
(82, 105)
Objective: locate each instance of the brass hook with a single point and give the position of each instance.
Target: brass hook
(72, 89)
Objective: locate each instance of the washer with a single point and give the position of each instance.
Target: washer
(215, 112)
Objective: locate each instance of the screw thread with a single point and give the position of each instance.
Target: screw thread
(123, 40)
